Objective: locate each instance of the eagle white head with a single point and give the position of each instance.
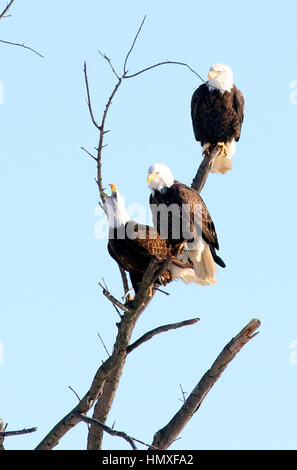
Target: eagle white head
(115, 209)
(159, 177)
(221, 77)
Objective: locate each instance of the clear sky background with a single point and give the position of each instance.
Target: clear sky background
(52, 258)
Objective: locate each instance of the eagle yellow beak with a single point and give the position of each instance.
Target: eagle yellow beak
(151, 177)
(212, 74)
(113, 188)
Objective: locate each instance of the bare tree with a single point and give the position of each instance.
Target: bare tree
(102, 390)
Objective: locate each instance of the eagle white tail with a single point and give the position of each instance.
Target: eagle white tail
(223, 162)
(186, 275)
(203, 265)
(204, 268)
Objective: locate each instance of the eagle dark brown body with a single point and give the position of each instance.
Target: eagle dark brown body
(135, 255)
(217, 116)
(180, 194)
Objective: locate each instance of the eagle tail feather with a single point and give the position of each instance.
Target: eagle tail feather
(223, 162)
(187, 275)
(216, 258)
(203, 265)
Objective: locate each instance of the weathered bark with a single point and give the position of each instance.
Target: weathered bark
(165, 436)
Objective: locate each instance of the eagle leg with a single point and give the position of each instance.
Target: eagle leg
(206, 149)
(222, 146)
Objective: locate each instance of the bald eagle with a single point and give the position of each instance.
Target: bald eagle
(217, 110)
(181, 216)
(133, 246)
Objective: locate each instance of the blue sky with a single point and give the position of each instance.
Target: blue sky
(51, 260)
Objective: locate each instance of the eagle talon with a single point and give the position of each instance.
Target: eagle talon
(222, 146)
(206, 149)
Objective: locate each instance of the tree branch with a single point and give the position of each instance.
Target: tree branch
(110, 64)
(110, 431)
(100, 127)
(104, 403)
(112, 299)
(103, 407)
(115, 362)
(204, 168)
(131, 440)
(17, 433)
(89, 99)
(161, 329)
(165, 436)
(165, 62)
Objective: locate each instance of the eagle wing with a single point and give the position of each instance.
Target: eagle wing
(149, 239)
(198, 99)
(198, 213)
(134, 252)
(238, 105)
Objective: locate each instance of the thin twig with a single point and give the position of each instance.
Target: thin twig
(161, 329)
(106, 350)
(161, 290)
(112, 299)
(183, 393)
(89, 153)
(133, 44)
(76, 394)
(89, 98)
(166, 62)
(114, 432)
(110, 64)
(6, 9)
(22, 45)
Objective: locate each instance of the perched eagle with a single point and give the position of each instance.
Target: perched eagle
(180, 216)
(217, 110)
(134, 245)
